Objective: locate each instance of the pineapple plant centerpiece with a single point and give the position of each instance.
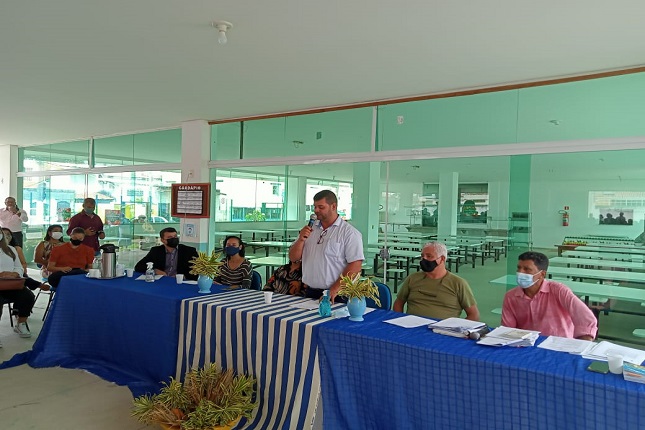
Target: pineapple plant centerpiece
(356, 289)
(207, 267)
(209, 398)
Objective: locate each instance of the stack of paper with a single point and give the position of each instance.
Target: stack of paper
(564, 344)
(634, 373)
(457, 327)
(600, 351)
(506, 336)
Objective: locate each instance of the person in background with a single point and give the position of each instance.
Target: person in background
(538, 303)
(53, 238)
(287, 279)
(71, 258)
(30, 283)
(23, 299)
(435, 292)
(12, 217)
(236, 270)
(91, 224)
(329, 249)
(169, 258)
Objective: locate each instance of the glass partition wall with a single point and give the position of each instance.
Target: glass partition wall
(491, 175)
(133, 202)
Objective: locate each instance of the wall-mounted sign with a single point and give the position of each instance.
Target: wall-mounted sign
(191, 200)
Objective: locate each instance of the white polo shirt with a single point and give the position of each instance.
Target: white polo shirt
(324, 262)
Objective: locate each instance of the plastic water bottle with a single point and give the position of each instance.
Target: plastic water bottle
(324, 308)
(150, 272)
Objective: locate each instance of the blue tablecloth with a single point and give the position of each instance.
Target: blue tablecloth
(380, 376)
(276, 343)
(124, 331)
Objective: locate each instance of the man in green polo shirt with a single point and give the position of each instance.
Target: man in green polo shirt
(435, 292)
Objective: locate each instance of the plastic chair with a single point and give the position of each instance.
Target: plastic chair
(256, 281)
(385, 297)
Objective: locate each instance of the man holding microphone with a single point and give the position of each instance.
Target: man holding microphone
(328, 248)
(12, 217)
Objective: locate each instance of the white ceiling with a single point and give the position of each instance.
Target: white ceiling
(72, 69)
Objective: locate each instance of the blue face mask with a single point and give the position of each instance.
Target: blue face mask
(231, 250)
(89, 211)
(525, 280)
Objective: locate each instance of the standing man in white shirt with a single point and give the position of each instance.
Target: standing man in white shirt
(12, 217)
(328, 249)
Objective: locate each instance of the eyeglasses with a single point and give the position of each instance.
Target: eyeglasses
(321, 238)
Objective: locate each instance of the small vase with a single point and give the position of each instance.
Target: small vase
(204, 283)
(356, 308)
(228, 426)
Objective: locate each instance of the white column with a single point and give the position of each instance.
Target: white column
(448, 203)
(365, 204)
(195, 154)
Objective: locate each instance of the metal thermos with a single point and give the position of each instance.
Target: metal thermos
(108, 260)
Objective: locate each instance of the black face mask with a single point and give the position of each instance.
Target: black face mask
(428, 266)
(173, 242)
(75, 242)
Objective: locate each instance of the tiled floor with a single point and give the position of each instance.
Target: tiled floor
(73, 399)
(56, 398)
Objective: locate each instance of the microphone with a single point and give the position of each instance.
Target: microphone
(312, 220)
(479, 333)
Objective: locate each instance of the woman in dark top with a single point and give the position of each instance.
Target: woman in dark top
(236, 270)
(287, 279)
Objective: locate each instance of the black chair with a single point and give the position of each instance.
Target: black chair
(256, 281)
(384, 295)
(3, 302)
(51, 294)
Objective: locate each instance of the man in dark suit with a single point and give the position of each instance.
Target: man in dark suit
(170, 258)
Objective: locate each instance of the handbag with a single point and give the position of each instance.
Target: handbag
(12, 284)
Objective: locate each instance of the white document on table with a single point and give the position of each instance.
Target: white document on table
(564, 344)
(305, 304)
(600, 351)
(143, 277)
(460, 325)
(410, 321)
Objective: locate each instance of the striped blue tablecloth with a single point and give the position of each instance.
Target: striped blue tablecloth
(276, 343)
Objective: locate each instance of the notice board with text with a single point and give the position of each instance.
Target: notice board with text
(191, 200)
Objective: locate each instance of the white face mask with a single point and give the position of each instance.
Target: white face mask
(525, 280)
(57, 235)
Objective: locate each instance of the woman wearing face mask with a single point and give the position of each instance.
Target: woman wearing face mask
(23, 299)
(30, 283)
(236, 270)
(53, 238)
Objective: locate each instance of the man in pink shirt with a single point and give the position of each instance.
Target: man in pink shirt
(541, 304)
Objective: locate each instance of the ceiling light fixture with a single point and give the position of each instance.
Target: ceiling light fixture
(222, 27)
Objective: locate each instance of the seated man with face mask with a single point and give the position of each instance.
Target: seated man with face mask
(436, 292)
(541, 304)
(170, 258)
(71, 258)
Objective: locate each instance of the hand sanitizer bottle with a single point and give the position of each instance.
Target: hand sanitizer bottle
(324, 308)
(150, 272)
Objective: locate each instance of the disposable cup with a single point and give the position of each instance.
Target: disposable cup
(179, 278)
(129, 272)
(95, 273)
(268, 297)
(615, 364)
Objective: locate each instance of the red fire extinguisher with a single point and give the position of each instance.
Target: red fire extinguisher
(565, 216)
